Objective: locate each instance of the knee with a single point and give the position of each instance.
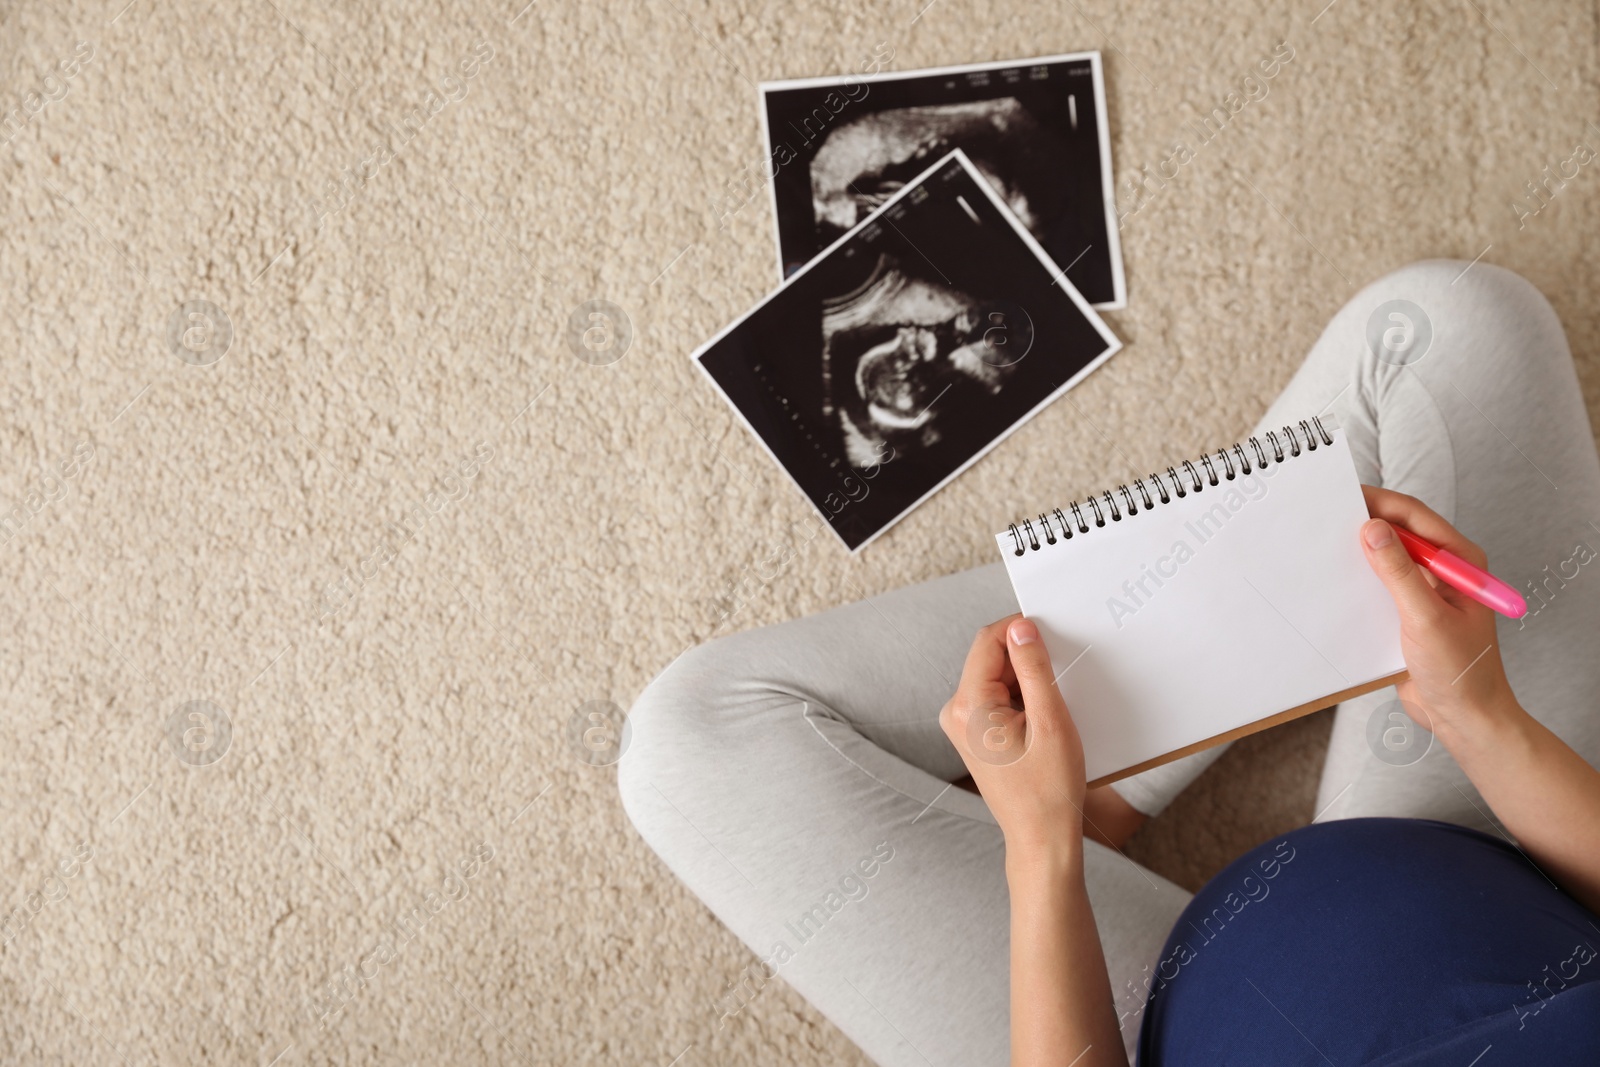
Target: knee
(672, 741)
(1457, 284)
(1493, 310)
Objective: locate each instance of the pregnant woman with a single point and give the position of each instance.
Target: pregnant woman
(799, 778)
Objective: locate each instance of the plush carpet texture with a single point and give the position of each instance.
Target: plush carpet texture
(318, 534)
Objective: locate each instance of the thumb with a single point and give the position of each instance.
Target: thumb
(1035, 676)
(1398, 571)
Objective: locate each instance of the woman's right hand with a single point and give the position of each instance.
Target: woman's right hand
(1544, 794)
(1448, 639)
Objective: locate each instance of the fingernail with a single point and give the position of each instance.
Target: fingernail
(1377, 534)
(1023, 632)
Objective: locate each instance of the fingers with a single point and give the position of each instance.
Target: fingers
(1414, 515)
(1007, 659)
(992, 665)
(1407, 583)
(1035, 676)
(986, 681)
(987, 670)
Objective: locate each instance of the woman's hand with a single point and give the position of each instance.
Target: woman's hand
(1448, 639)
(1013, 731)
(1540, 790)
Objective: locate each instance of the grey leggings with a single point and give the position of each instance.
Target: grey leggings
(796, 779)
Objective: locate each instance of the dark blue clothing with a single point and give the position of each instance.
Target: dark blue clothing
(1378, 941)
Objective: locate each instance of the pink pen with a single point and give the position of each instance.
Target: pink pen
(1457, 573)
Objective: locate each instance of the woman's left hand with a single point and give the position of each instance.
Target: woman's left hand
(1013, 731)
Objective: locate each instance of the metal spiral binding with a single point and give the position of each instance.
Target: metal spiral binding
(1286, 443)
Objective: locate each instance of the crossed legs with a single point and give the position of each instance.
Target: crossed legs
(795, 778)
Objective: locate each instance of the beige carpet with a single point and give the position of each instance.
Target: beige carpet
(397, 533)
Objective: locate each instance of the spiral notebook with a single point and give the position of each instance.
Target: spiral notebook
(1202, 602)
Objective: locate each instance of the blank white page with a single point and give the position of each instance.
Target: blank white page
(1202, 615)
